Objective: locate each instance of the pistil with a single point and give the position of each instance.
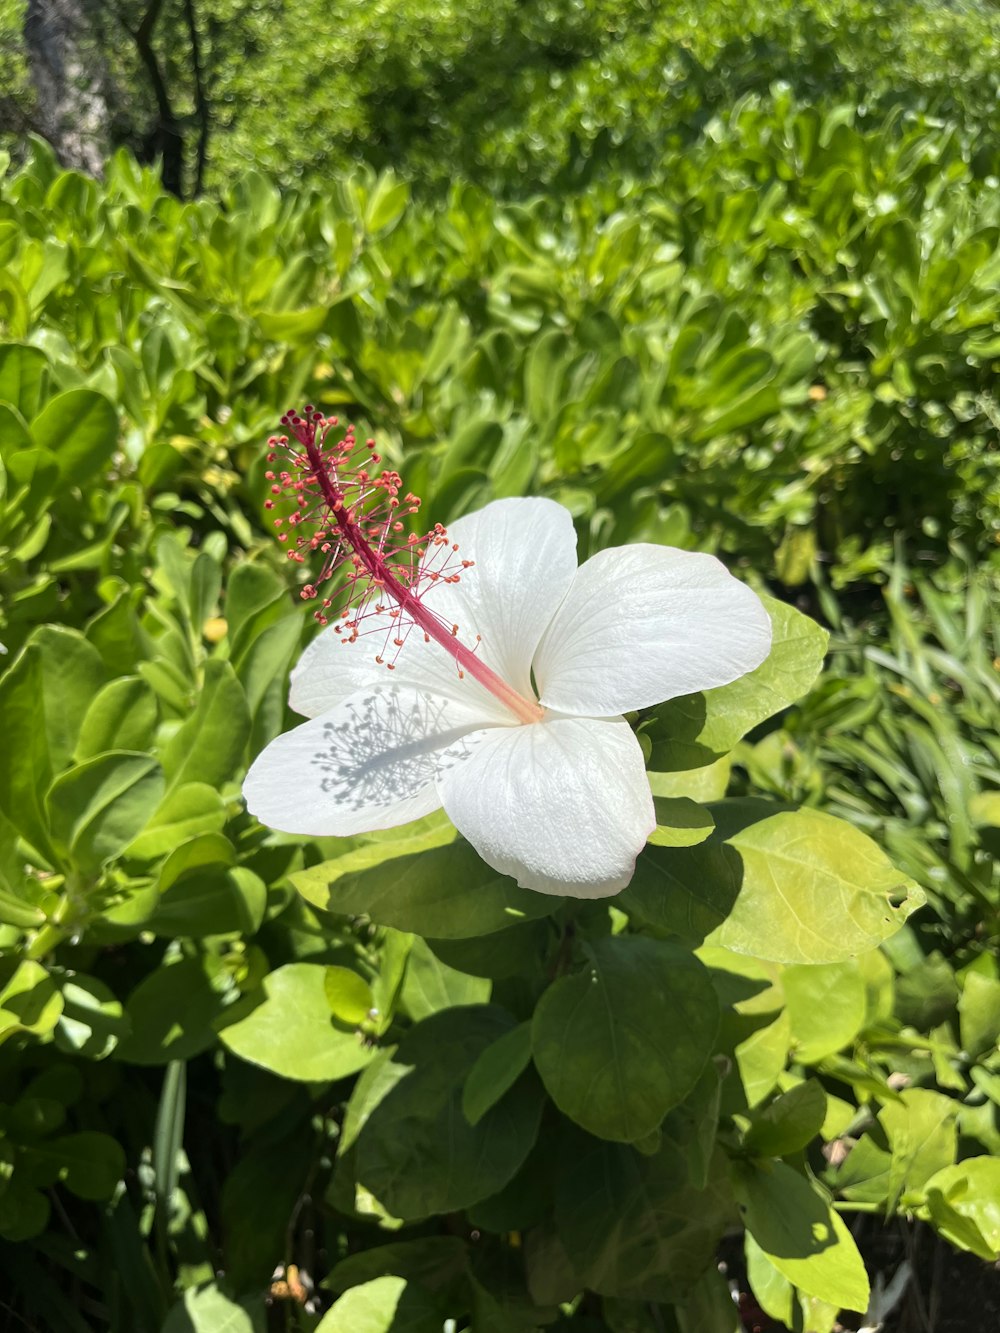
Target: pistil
(350, 531)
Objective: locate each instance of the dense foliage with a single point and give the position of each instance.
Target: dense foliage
(375, 1062)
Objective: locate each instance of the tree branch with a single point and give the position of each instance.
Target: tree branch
(200, 96)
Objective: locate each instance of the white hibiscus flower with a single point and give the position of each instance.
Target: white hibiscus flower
(539, 771)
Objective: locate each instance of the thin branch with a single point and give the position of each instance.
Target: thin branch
(200, 96)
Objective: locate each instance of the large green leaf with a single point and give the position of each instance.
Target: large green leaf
(22, 377)
(29, 1000)
(209, 746)
(794, 886)
(922, 1136)
(97, 808)
(286, 1026)
(416, 1151)
(497, 1069)
(170, 1014)
(826, 1007)
(80, 428)
(789, 1123)
(121, 716)
(209, 1310)
(212, 899)
(625, 1039)
(979, 1013)
(804, 1238)
(632, 1225)
(192, 808)
(92, 1022)
(44, 697)
(25, 761)
(384, 1305)
(89, 1163)
(970, 1190)
(437, 1262)
(430, 984)
(445, 892)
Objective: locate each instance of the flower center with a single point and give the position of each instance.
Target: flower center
(353, 516)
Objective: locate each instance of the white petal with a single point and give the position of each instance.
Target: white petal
(646, 623)
(368, 763)
(563, 805)
(525, 559)
(332, 669)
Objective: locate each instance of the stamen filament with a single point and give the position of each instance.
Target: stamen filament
(385, 579)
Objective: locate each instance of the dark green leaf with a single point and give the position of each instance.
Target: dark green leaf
(624, 1040)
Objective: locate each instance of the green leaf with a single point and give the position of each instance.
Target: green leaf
(72, 674)
(80, 428)
(796, 886)
(24, 1210)
(709, 1307)
(416, 1152)
(802, 1236)
(979, 1013)
(632, 1225)
(430, 984)
(386, 203)
(190, 809)
(92, 1021)
(814, 890)
(922, 1136)
(437, 1262)
(209, 746)
(789, 1123)
(121, 716)
(691, 1127)
(775, 1294)
(680, 822)
(206, 849)
(97, 808)
(864, 1177)
(89, 1163)
(384, 1305)
(23, 370)
(211, 900)
(517, 951)
(29, 1000)
(208, 1310)
(25, 762)
(43, 699)
(348, 995)
(445, 892)
(14, 433)
(497, 1069)
(761, 1057)
(624, 1040)
(972, 1190)
(170, 1014)
(286, 1026)
(826, 1007)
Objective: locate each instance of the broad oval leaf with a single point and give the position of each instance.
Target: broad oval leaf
(286, 1026)
(789, 886)
(804, 1238)
(444, 892)
(625, 1039)
(80, 428)
(416, 1152)
(97, 808)
(385, 1305)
